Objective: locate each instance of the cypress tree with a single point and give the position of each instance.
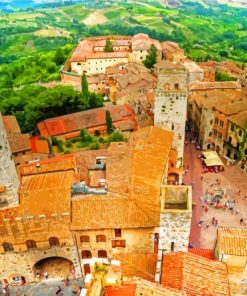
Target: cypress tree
(109, 125)
(84, 87)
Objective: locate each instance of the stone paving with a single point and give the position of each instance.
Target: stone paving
(47, 288)
(233, 179)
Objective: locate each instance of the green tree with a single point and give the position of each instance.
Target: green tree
(116, 137)
(59, 58)
(84, 87)
(108, 122)
(108, 46)
(151, 57)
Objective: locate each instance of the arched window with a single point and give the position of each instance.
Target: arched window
(102, 254)
(100, 238)
(54, 241)
(8, 247)
(86, 254)
(31, 244)
(84, 239)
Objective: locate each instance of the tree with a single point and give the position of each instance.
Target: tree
(84, 87)
(116, 137)
(151, 57)
(108, 122)
(59, 57)
(108, 46)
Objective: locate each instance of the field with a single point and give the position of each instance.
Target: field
(202, 31)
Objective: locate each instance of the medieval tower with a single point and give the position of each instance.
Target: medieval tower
(171, 102)
(9, 182)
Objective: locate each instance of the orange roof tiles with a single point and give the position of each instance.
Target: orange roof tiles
(46, 193)
(232, 241)
(138, 204)
(59, 163)
(138, 265)
(83, 120)
(206, 253)
(39, 146)
(19, 142)
(11, 124)
(123, 290)
(196, 275)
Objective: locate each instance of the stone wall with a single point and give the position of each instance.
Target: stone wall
(23, 263)
(9, 181)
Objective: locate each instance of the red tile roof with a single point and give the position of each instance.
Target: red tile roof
(85, 120)
(196, 275)
(124, 290)
(206, 253)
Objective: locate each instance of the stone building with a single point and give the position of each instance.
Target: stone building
(172, 52)
(170, 106)
(9, 182)
(231, 248)
(89, 56)
(235, 145)
(175, 220)
(76, 208)
(195, 72)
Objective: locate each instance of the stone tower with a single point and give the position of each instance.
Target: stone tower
(9, 181)
(170, 103)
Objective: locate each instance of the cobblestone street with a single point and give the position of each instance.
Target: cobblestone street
(233, 179)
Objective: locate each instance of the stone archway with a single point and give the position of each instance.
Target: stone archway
(56, 267)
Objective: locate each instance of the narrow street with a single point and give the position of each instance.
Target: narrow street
(193, 177)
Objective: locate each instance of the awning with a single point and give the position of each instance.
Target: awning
(212, 158)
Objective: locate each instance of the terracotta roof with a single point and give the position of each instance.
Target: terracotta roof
(239, 119)
(196, 275)
(143, 41)
(113, 211)
(11, 124)
(232, 241)
(192, 66)
(232, 107)
(198, 85)
(164, 64)
(206, 253)
(60, 163)
(135, 175)
(39, 146)
(138, 265)
(123, 290)
(170, 46)
(46, 193)
(19, 142)
(83, 120)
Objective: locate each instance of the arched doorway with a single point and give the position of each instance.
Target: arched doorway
(56, 267)
(173, 179)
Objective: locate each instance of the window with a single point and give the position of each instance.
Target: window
(78, 64)
(232, 127)
(84, 239)
(86, 254)
(210, 134)
(8, 247)
(118, 232)
(235, 156)
(53, 241)
(176, 86)
(102, 254)
(172, 127)
(228, 153)
(221, 123)
(31, 244)
(100, 238)
(245, 151)
(238, 145)
(240, 133)
(230, 140)
(172, 246)
(216, 120)
(118, 243)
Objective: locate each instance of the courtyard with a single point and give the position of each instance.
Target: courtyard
(233, 180)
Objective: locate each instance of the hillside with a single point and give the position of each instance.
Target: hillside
(29, 39)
